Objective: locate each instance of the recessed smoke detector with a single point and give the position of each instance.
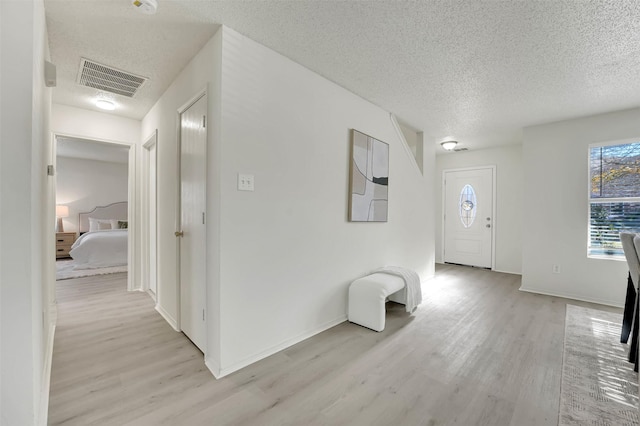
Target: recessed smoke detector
(148, 7)
(109, 79)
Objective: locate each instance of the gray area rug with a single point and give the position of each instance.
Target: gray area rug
(65, 270)
(599, 386)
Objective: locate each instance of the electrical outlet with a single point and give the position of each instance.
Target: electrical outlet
(245, 182)
(556, 269)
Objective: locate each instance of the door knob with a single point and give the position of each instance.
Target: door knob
(179, 234)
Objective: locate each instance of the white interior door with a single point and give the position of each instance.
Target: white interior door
(469, 217)
(193, 144)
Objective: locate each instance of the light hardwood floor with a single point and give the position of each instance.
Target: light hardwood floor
(477, 352)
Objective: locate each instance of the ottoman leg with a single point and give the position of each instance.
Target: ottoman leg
(367, 307)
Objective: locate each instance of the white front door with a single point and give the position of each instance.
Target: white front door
(193, 153)
(468, 217)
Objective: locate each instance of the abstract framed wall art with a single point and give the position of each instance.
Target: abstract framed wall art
(368, 201)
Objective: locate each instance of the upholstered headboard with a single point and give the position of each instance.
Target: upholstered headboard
(118, 211)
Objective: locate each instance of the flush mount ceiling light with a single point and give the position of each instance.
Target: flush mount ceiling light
(148, 7)
(449, 145)
(105, 104)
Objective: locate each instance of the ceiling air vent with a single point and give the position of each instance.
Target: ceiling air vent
(461, 149)
(103, 77)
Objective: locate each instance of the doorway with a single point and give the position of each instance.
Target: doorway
(87, 189)
(191, 231)
(469, 216)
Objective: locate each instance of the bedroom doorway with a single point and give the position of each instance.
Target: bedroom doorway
(91, 174)
(191, 229)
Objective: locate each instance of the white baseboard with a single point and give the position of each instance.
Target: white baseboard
(43, 413)
(168, 318)
(507, 272)
(572, 296)
(274, 349)
(492, 270)
(213, 366)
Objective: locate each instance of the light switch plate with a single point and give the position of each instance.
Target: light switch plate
(245, 182)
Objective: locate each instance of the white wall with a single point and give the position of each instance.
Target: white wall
(288, 252)
(84, 184)
(508, 217)
(280, 258)
(26, 247)
(411, 137)
(556, 208)
(87, 124)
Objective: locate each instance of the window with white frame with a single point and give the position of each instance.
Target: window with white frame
(614, 196)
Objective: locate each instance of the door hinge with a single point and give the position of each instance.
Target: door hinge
(203, 315)
(50, 170)
(204, 121)
(203, 218)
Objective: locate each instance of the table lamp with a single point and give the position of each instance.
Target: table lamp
(61, 211)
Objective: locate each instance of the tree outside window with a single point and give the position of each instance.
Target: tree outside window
(614, 198)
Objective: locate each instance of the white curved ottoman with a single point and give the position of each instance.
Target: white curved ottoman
(367, 296)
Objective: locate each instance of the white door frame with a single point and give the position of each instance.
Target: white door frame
(147, 213)
(132, 256)
(493, 208)
(178, 222)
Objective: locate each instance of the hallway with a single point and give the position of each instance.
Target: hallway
(477, 351)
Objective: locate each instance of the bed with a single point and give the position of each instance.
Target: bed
(103, 237)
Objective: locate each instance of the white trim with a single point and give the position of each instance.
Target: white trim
(43, 413)
(403, 142)
(178, 221)
(214, 366)
(603, 200)
(132, 222)
(168, 318)
(145, 248)
(613, 258)
(573, 296)
(615, 142)
(48, 286)
(494, 207)
(89, 138)
(494, 270)
(221, 372)
(192, 101)
(507, 272)
(152, 295)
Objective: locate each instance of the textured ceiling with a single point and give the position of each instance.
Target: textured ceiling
(478, 71)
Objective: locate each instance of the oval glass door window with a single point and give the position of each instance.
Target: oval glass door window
(468, 206)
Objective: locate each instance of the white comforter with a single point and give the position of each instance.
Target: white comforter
(100, 249)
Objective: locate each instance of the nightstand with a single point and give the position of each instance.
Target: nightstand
(64, 241)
